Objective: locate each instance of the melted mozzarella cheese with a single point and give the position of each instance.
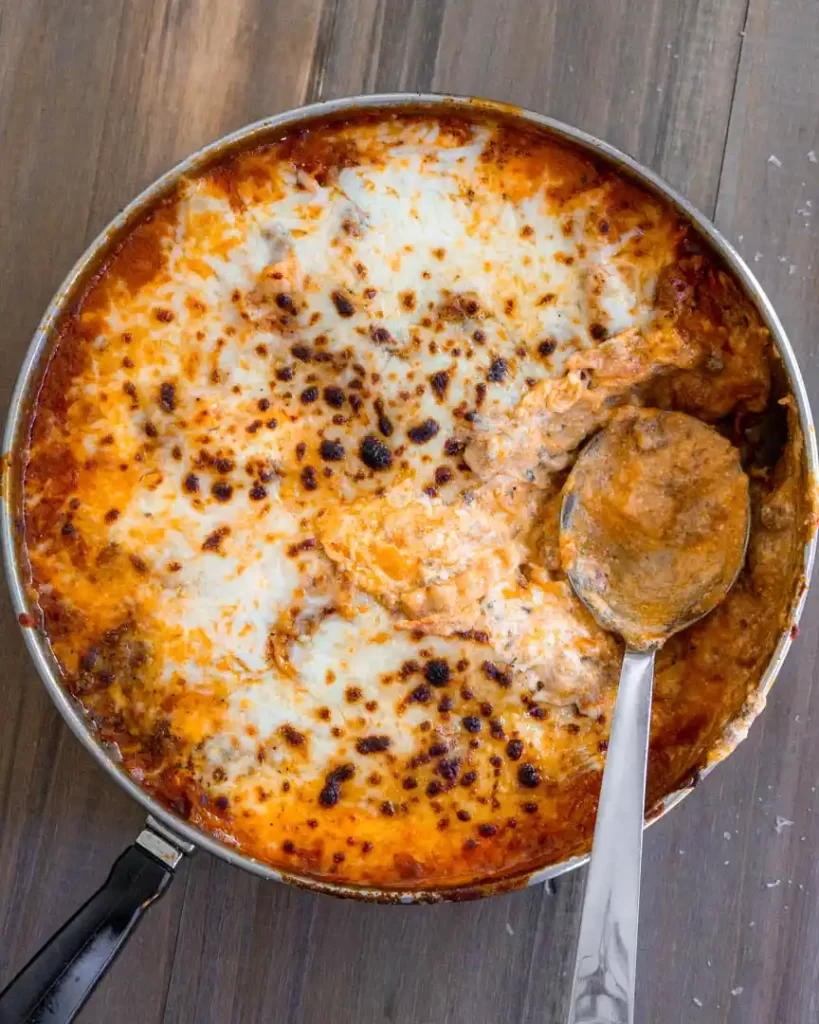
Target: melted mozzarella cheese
(217, 426)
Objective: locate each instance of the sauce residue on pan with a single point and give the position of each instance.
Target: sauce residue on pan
(293, 486)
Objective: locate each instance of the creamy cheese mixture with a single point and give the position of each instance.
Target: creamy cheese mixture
(292, 503)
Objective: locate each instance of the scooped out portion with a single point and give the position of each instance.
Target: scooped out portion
(655, 523)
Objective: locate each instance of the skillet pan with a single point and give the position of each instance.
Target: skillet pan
(58, 980)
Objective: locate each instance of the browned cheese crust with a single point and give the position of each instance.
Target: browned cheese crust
(293, 485)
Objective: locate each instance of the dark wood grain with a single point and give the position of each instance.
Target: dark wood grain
(96, 99)
(738, 908)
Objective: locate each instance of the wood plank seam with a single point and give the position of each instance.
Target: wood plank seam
(713, 211)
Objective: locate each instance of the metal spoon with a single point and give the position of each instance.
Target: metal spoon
(653, 533)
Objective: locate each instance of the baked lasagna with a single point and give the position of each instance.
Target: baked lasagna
(292, 493)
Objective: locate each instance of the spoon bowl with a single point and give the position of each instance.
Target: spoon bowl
(655, 521)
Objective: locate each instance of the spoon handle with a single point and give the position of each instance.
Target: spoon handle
(603, 987)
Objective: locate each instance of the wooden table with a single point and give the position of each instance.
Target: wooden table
(721, 97)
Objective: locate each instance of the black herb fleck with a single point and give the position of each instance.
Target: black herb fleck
(514, 750)
(374, 453)
(497, 675)
(309, 478)
(329, 796)
(384, 423)
(528, 775)
(381, 336)
(343, 305)
(439, 382)
(448, 768)
(547, 347)
(436, 672)
(373, 744)
(331, 451)
(167, 397)
(423, 432)
(497, 371)
(221, 491)
(334, 396)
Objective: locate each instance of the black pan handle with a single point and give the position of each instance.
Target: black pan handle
(55, 983)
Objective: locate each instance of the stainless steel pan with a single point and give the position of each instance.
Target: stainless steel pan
(58, 980)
